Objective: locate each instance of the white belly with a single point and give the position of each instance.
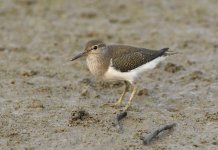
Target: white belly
(131, 76)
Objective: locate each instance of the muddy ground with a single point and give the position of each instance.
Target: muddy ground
(41, 91)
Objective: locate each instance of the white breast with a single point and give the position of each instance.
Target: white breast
(131, 76)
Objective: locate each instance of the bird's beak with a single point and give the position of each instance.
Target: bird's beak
(79, 55)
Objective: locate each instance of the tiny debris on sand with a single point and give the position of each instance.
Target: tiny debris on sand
(81, 117)
(2, 48)
(173, 68)
(143, 92)
(147, 140)
(35, 103)
(29, 73)
(212, 116)
(85, 93)
(196, 75)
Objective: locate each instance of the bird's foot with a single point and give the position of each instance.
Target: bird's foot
(128, 105)
(110, 105)
(118, 103)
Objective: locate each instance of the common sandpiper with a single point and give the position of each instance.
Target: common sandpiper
(120, 63)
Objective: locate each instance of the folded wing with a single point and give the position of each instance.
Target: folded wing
(128, 58)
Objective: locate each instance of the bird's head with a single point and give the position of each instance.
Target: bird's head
(92, 47)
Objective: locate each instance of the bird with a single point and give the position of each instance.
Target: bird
(117, 62)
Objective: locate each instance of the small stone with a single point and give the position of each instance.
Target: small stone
(2, 48)
(215, 143)
(28, 73)
(203, 141)
(13, 82)
(113, 20)
(88, 15)
(97, 96)
(36, 104)
(172, 109)
(143, 92)
(92, 34)
(59, 130)
(195, 145)
(191, 62)
(85, 81)
(85, 93)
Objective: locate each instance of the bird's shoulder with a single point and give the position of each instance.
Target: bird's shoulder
(120, 50)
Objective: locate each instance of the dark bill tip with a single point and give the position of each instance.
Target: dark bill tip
(78, 56)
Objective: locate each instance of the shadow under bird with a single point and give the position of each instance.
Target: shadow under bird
(120, 62)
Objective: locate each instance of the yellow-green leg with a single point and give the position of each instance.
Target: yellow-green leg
(120, 100)
(131, 97)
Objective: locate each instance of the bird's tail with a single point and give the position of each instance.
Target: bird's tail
(167, 52)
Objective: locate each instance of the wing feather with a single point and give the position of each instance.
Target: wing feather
(126, 58)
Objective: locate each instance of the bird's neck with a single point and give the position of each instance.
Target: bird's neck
(98, 64)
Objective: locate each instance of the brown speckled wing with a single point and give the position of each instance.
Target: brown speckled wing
(126, 58)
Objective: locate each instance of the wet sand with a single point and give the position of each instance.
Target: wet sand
(48, 102)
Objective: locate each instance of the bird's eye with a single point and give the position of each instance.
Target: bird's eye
(95, 47)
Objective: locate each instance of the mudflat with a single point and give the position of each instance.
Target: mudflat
(49, 102)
